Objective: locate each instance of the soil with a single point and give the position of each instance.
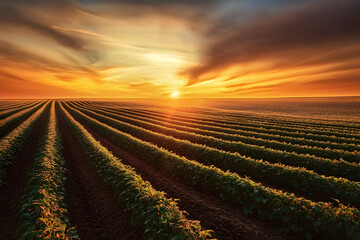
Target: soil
(226, 220)
(12, 190)
(93, 207)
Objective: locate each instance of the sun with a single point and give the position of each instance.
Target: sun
(175, 94)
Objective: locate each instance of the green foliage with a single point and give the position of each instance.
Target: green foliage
(236, 126)
(12, 143)
(17, 109)
(159, 215)
(43, 214)
(291, 213)
(301, 180)
(336, 168)
(225, 134)
(18, 117)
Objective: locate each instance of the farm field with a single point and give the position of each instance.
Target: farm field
(103, 169)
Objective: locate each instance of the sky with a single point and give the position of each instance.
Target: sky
(179, 49)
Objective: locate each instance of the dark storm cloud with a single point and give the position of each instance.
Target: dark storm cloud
(295, 37)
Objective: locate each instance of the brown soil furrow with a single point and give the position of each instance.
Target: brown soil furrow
(12, 190)
(228, 221)
(93, 207)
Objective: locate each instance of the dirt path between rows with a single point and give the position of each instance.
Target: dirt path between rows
(12, 190)
(228, 221)
(93, 207)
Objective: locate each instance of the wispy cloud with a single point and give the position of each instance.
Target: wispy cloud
(347, 84)
(16, 16)
(304, 36)
(137, 48)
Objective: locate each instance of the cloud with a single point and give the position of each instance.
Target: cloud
(157, 3)
(196, 14)
(17, 55)
(70, 52)
(241, 46)
(331, 85)
(13, 55)
(13, 17)
(7, 75)
(304, 36)
(13, 86)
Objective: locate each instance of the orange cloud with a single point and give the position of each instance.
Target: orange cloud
(123, 48)
(322, 34)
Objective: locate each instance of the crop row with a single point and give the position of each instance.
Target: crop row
(214, 118)
(295, 138)
(17, 117)
(295, 129)
(297, 179)
(284, 121)
(12, 111)
(327, 167)
(13, 142)
(194, 128)
(265, 136)
(314, 133)
(261, 128)
(160, 216)
(44, 214)
(273, 144)
(294, 121)
(9, 106)
(291, 213)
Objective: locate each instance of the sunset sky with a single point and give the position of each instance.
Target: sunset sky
(185, 49)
